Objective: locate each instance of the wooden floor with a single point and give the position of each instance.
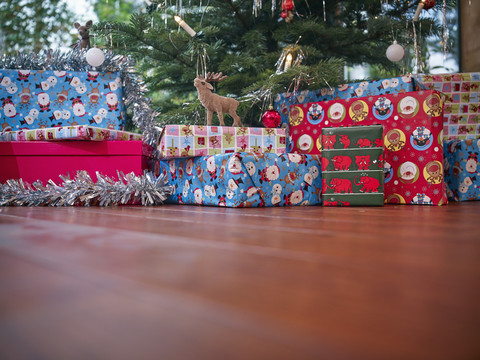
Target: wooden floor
(184, 282)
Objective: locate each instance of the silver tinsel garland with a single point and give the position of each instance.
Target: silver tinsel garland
(130, 189)
(134, 97)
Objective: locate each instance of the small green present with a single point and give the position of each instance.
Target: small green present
(352, 166)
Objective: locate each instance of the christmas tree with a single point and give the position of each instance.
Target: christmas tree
(250, 41)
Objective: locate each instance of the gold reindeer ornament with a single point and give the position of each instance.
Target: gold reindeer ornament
(214, 102)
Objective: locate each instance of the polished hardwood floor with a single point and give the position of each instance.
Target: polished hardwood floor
(185, 282)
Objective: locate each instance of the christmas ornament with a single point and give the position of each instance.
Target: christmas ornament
(95, 57)
(271, 118)
(395, 52)
(287, 7)
(445, 30)
(185, 26)
(84, 32)
(213, 102)
(428, 4)
(292, 55)
(129, 189)
(423, 4)
(257, 5)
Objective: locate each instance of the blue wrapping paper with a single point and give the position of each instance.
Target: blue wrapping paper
(32, 99)
(462, 171)
(245, 180)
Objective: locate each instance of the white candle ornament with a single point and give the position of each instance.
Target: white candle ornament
(419, 10)
(288, 62)
(185, 26)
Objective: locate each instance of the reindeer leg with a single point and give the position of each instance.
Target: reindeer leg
(209, 117)
(236, 119)
(220, 118)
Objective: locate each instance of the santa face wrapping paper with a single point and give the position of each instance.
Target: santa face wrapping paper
(32, 99)
(412, 134)
(461, 95)
(354, 90)
(179, 141)
(353, 174)
(245, 180)
(462, 170)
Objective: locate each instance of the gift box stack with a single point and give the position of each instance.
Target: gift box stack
(347, 134)
(412, 134)
(58, 122)
(461, 124)
(431, 131)
(236, 167)
(255, 167)
(410, 147)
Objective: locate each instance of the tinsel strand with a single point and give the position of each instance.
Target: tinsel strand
(130, 189)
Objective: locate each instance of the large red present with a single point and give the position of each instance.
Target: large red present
(412, 131)
(44, 160)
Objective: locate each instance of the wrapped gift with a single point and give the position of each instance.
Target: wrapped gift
(462, 170)
(245, 180)
(354, 90)
(79, 132)
(461, 110)
(33, 99)
(352, 169)
(44, 160)
(178, 141)
(412, 130)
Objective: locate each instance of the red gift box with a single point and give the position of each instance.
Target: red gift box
(412, 131)
(44, 160)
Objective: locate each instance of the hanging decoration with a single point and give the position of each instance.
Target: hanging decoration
(292, 55)
(95, 57)
(274, 6)
(271, 118)
(423, 4)
(416, 47)
(395, 52)
(185, 26)
(130, 189)
(257, 6)
(445, 30)
(287, 7)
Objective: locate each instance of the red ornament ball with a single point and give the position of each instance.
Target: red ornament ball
(283, 14)
(271, 118)
(287, 5)
(428, 4)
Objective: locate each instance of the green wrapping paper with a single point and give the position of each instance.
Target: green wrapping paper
(352, 166)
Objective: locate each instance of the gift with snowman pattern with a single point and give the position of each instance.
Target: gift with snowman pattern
(245, 179)
(43, 99)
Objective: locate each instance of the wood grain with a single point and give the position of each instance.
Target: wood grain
(186, 282)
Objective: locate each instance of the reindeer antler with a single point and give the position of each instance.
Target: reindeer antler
(215, 77)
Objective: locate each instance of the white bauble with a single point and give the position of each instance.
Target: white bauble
(95, 57)
(395, 52)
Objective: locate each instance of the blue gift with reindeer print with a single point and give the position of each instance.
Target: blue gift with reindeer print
(245, 179)
(462, 170)
(32, 99)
